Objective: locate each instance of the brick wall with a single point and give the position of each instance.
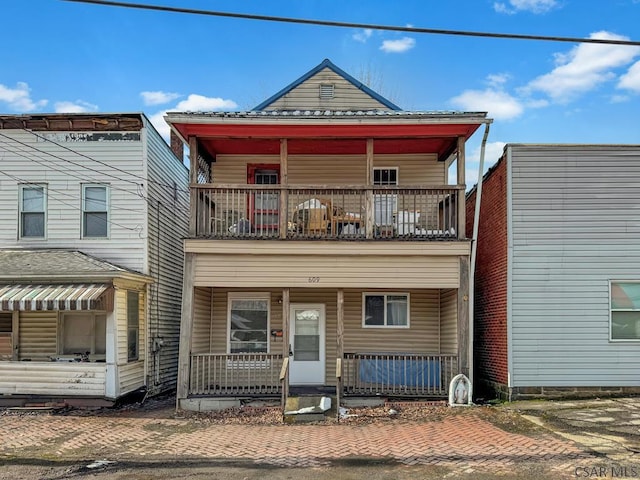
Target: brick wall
(490, 302)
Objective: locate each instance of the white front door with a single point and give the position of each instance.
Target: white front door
(306, 365)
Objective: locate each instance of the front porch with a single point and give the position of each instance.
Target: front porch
(322, 338)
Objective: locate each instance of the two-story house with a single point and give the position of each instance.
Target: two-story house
(557, 283)
(93, 209)
(326, 247)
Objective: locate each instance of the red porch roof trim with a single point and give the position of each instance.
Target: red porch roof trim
(361, 130)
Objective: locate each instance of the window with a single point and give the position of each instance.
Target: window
(133, 325)
(83, 333)
(385, 310)
(33, 200)
(6, 349)
(248, 323)
(326, 91)
(625, 311)
(385, 176)
(95, 214)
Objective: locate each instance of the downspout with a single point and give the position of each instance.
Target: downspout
(474, 245)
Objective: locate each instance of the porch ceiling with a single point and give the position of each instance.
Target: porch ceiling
(264, 139)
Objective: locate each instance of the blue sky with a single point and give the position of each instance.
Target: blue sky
(70, 57)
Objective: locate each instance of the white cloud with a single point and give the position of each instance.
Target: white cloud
(533, 6)
(398, 46)
(498, 79)
(499, 104)
(631, 79)
(79, 106)
(363, 35)
(583, 68)
(619, 98)
(199, 103)
(193, 103)
(19, 98)
(158, 97)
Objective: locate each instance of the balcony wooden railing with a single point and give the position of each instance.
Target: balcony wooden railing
(255, 374)
(359, 212)
(398, 374)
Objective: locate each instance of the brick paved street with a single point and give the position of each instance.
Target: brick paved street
(465, 440)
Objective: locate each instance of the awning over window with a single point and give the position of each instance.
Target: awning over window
(56, 297)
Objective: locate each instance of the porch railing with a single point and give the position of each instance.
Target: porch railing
(348, 212)
(398, 374)
(235, 374)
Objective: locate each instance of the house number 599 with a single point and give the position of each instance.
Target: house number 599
(314, 279)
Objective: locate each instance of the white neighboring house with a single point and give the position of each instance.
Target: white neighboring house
(93, 208)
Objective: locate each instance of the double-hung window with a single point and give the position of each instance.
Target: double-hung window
(95, 211)
(6, 345)
(248, 323)
(385, 310)
(625, 310)
(33, 208)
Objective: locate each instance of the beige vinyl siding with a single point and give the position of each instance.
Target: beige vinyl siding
(168, 215)
(345, 271)
(421, 337)
(52, 378)
(449, 321)
(201, 332)
(64, 172)
(334, 169)
(131, 377)
(121, 318)
(307, 95)
(575, 213)
(38, 336)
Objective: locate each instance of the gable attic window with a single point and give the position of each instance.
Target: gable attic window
(326, 91)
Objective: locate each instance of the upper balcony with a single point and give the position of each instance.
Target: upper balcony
(332, 213)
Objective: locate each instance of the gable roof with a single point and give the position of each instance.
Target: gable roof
(326, 63)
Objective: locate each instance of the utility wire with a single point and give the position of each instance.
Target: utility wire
(328, 23)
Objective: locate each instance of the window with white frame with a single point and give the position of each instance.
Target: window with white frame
(33, 211)
(625, 310)
(133, 325)
(385, 176)
(385, 310)
(248, 323)
(95, 211)
(83, 334)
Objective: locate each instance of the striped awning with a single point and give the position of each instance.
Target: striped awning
(54, 297)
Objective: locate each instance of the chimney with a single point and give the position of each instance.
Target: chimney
(176, 146)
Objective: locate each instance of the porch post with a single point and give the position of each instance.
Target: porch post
(369, 227)
(284, 181)
(186, 327)
(193, 179)
(463, 317)
(285, 338)
(339, 344)
(15, 335)
(460, 198)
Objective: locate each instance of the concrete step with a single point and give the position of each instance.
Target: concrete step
(307, 408)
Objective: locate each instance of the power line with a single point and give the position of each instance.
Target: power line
(327, 23)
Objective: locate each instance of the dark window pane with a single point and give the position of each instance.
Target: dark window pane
(95, 224)
(625, 325)
(33, 224)
(306, 348)
(374, 310)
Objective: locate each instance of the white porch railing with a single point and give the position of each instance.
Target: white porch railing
(235, 374)
(349, 212)
(398, 374)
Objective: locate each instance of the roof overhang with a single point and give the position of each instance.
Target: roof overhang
(336, 134)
